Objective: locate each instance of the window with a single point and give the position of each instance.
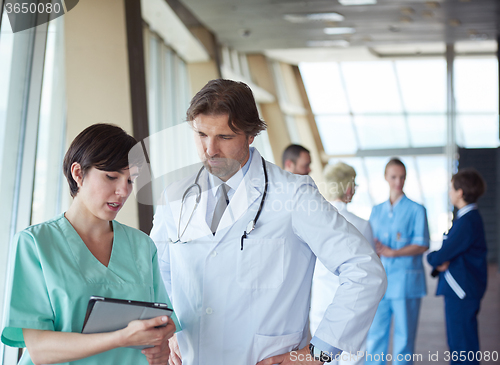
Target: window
(362, 107)
(476, 93)
(30, 106)
(49, 179)
(171, 145)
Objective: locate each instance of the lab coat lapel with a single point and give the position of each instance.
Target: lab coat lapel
(249, 190)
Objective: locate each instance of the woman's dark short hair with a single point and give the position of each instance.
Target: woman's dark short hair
(394, 162)
(103, 146)
(226, 97)
(471, 183)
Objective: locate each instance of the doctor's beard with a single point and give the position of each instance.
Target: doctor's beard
(223, 168)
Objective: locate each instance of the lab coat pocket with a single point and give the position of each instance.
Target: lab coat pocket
(261, 263)
(267, 346)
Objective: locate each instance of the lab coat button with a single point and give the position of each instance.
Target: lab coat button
(209, 310)
(214, 253)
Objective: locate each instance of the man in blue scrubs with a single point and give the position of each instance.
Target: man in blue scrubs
(402, 236)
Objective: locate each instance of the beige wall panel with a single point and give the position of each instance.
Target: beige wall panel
(261, 72)
(201, 73)
(276, 130)
(304, 128)
(310, 115)
(291, 83)
(97, 78)
(279, 137)
(308, 141)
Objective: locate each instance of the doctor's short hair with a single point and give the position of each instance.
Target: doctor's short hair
(471, 182)
(231, 98)
(103, 146)
(292, 153)
(394, 162)
(339, 178)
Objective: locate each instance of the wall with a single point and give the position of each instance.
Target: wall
(97, 79)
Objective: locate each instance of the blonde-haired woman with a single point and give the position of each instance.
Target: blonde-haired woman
(340, 179)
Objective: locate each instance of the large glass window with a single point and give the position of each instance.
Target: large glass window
(6, 49)
(32, 115)
(171, 144)
(362, 107)
(476, 94)
(49, 179)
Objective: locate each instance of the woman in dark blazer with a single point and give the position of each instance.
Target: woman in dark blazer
(462, 267)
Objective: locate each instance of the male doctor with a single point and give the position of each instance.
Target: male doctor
(237, 244)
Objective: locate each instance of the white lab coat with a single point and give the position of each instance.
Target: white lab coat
(325, 283)
(241, 306)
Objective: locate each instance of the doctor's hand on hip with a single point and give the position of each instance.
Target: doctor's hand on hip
(175, 353)
(300, 357)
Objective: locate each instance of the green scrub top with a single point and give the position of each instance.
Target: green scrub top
(53, 275)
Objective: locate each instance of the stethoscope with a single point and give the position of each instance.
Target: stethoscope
(250, 226)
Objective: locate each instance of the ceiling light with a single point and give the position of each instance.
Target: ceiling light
(334, 43)
(339, 30)
(357, 2)
(316, 17)
(245, 33)
(407, 11)
(427, 14)
(432, 4)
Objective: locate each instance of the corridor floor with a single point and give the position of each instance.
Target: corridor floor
(431, 338)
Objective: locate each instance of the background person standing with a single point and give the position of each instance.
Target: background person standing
(340, 179)
(401, 237)
(297, 160)
(463, 269)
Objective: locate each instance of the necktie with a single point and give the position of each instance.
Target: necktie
(220, 207)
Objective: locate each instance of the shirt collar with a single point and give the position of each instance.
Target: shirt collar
(398, 200)
(461, 212)
(235, 180)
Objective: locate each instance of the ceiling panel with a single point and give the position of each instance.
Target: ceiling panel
(259, 25)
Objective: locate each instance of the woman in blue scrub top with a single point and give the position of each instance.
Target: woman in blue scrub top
(57, 265)
(401, 236)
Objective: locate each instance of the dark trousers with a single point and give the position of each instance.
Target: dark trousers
(461, 328)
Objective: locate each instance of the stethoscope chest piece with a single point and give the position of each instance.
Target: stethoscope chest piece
(250, 226)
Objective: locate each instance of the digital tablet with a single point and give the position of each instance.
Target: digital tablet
(109, 314)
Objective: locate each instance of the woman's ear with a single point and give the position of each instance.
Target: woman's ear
(77, 173)
(349, 192)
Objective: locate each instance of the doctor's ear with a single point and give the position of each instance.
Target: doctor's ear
(77, 173)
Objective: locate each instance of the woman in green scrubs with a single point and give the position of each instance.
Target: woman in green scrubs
(57, 265)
